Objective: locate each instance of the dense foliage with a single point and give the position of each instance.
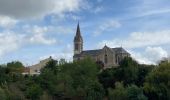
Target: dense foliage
(84, 80)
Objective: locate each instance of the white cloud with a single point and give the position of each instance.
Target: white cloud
(40, 39)
(140, 39)
(138, 56)
(156, 53)
(66, 53)
(98, 9)
(38, 36)
(60, 30)
(151, 55)
(37, 8)
(154, 12)
(9, 41)
(150, 7)
(58, 56)
(152, 40)
(7, 22)
(107, 26)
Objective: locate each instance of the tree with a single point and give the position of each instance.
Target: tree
(3, 95)
(107, 78)
(95, 92)
(157, 85)
(119, 93)
(131, 92)
(62, 61)
(135, 93)
(79, 77)
(52, 65)
(143, 71)
(128, 71)
(15, 67)
(4, 77)
(34, 92)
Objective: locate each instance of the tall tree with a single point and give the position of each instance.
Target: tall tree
(157, 85)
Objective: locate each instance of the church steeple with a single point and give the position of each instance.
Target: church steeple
(78, 41)
(78, 33)
(78, 36)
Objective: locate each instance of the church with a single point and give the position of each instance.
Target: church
(109, 57)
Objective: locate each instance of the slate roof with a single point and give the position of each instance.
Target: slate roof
(98, 51)
(91, 52)
(119, 50)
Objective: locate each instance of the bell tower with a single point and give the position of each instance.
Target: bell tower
(78, 41)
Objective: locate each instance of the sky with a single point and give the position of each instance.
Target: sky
(32, 30)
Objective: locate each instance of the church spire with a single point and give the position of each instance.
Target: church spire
(78, 41)
(78, 33)
(78, 36)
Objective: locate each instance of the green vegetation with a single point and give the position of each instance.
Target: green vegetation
(84, 80)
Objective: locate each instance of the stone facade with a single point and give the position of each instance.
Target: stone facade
(35, 69)
(110, 57)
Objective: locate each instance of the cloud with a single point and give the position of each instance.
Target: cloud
(107, 26)
(152, 41)
(37, 8)
(154, 12)
(66, 53)
(60, 30)
(58, 56)
(98, 9)
(151, 12)
(140, 39)
(151, 55)
(145, 8)
(38, 36)
(7, 22)
(9, 41)
(40, 39)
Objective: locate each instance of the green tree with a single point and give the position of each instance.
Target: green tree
(15, 67)
(131, 92)
(95, 92)
(51, 64)
(3, 95)
(107, 78)
(157, 85)
(4, 77)
(143, 71)
(62, 61)
(135, 93)
(34, 92)
(76, 78)
(119, 93)
(128, 71)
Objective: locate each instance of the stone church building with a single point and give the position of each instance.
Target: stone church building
(110, 57)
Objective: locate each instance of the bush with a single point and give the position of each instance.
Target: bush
(119, 93)
(34, 92)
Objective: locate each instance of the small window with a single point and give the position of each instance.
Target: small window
(119, 60)
(78, 59)
(105, 59)
(76, 46)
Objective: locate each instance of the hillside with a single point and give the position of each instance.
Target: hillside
(85, 80)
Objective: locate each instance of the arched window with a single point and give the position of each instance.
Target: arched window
(116, 59)
(105, 59)
(76, 46)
